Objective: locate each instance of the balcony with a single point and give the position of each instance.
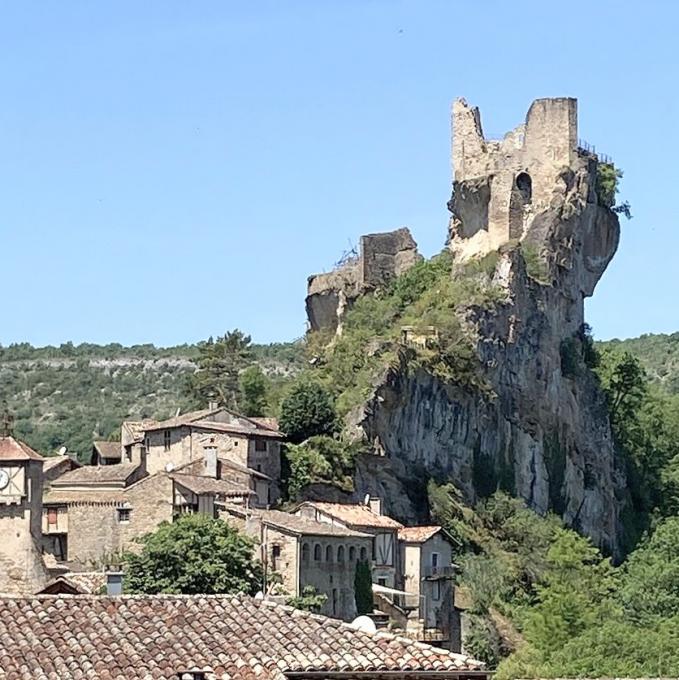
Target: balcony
(439, 571)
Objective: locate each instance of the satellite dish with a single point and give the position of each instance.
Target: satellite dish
(62, 451)
(364, 623)
(260, 595)
(169, 467)
(366, 500)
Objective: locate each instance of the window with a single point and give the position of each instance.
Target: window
(260, 444)
(52, 517)
(124, 515)
(436, 590)
(382, 582)
(525, 186)
(317, 552)
(328, 554)
(167, 439)
(340, 554)
(335, 601)
(305, 552)
(275, 556)
(434, 563)
(352, 553)
(364, 554)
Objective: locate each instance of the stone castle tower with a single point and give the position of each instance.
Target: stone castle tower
(500, 185)
(22, 570)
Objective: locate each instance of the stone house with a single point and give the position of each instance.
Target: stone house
(214, 433)
(218, 637)
(303, 552)
(106, 453)
(93, 513)
(22, 569)
(366, 519)
(428, 576)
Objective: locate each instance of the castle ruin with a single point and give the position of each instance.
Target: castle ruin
(499, 186)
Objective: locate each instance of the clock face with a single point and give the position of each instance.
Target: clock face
(4, 479)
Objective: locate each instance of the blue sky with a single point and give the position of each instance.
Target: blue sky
(171, 170)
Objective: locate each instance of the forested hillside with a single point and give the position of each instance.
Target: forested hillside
(658, 353)
(68, 395)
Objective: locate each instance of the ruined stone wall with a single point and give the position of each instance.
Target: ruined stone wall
(383, 257)
(500, 185)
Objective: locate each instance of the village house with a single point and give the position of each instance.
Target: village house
(367, 518)
(92, 513)
(298, 552)
(218, 637)
(250, 445)
(22, 569)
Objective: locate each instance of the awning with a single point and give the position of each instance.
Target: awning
(389, 591)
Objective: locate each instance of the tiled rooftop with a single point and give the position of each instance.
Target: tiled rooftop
(209, 485)
(305, 526)
(354, 515)
(108, 449)
(13, 449)
(417, 534)
(227, 637)
(93, 474)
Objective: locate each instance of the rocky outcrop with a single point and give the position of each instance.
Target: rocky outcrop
(542, 433)
(382, 258)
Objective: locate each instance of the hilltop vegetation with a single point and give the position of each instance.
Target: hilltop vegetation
(68, 395)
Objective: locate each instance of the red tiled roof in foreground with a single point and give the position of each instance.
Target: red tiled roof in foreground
(227, 637)
(13, 449)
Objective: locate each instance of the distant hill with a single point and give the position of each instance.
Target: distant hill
(68, 395)
(659, 353)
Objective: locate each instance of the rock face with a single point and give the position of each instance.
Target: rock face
(543, 433)
(382, 258)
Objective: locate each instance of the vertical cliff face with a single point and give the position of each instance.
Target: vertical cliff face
(543, 432)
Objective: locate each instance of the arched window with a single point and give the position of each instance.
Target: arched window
(340, 554)
(364, 554)
(352, 553)
(305, 552)
(525, 186)
(317, 552)
(328, 554)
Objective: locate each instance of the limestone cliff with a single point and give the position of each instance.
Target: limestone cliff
(541, 430)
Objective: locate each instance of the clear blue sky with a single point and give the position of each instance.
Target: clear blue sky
(171, 170)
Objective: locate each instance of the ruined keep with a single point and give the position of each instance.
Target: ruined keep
(382, 258)
(540, 430)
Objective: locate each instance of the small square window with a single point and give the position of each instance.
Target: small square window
(260, 444)
(124, 515)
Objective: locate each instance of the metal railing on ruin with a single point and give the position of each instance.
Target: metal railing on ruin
(588, 148)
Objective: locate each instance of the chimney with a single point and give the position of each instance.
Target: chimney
(210, 461)
(212, 403)
(375, 505)
(114, 583)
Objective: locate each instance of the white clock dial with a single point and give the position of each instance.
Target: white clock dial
(4, 479)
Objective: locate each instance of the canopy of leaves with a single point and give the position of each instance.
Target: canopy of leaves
(193, 555)
(307, 411)
(253, 388)
(310, 600)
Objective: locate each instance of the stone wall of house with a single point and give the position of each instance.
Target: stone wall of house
(287, 563)
(334, 577)
(22, 570)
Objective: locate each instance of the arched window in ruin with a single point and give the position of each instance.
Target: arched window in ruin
(317, 552)
(305, 552)
(328, 554)
(340, 554)
(525, 186)
(521, 196)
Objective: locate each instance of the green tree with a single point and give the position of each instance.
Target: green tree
(307, 411)
(310, 600)
(193, 555)
(363, 588)
(253, 388)
(220, 363)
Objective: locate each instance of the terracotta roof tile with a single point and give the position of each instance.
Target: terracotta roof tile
(354, 515)
(92, 474)
(108, 449)
(236, 638)
(417, 534)
(13, 449)
(208, 485)
(305, 525)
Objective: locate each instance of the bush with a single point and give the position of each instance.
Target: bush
(307, 411)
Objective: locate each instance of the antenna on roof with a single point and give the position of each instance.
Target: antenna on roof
(179, 410)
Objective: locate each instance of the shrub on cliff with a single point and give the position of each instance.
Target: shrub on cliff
(307, 411)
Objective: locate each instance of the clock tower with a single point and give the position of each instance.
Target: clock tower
(22, 570)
